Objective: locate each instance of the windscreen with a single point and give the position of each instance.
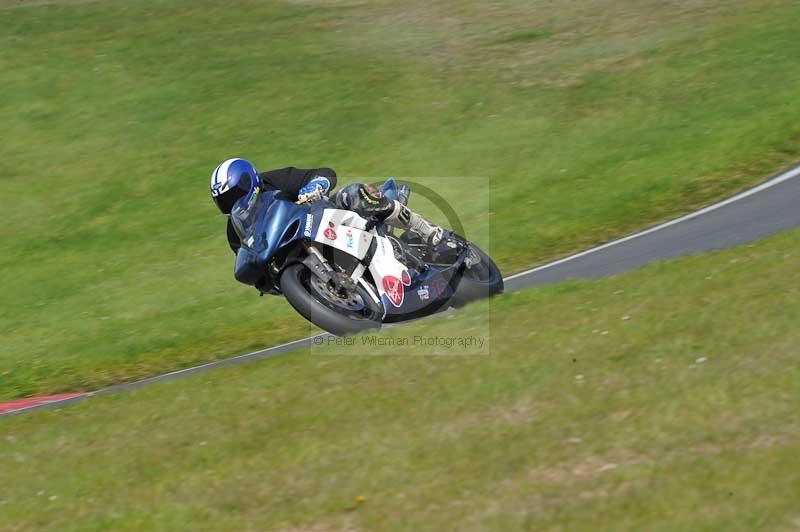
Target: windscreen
(245, 215)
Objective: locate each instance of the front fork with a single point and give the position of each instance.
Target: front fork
(337, 281)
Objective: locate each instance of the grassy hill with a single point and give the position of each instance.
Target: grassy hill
(584, 121)
(662, 399)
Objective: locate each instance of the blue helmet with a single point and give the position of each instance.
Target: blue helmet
(232, 180)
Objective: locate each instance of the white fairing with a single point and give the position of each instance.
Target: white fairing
(344, 230)
(388, 271)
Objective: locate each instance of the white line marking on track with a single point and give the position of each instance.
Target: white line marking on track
(220, 362)
(789, 174)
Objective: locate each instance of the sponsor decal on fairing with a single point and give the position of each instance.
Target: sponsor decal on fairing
(423, 293)
(394, 290)
(330, 232)
(394, 287)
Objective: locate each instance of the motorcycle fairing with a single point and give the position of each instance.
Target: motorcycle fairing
(428, 292)
(401, 291)
(391, 276)
(406, 292)
(343, 230)
(265, 225)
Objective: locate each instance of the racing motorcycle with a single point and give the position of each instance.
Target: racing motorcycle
(347, 274)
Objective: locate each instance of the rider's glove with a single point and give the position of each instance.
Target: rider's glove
(314, 189)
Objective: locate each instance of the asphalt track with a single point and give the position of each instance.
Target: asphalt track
(763, 210)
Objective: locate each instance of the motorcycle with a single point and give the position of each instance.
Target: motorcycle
(346, 274)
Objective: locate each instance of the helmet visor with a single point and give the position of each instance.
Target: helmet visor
(226, 200)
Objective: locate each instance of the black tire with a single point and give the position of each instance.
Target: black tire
(299, 287)
(479, 282)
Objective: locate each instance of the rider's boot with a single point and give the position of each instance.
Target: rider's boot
(404, 218)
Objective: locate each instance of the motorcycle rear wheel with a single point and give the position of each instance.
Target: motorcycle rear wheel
(480, 281)
(355, 313)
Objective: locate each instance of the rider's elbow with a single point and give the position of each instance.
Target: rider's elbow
(328, 173)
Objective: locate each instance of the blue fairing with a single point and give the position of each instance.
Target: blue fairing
(284, 222)
(428, 292)
(265, 226)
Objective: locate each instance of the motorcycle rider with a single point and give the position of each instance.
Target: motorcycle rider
(237, 178)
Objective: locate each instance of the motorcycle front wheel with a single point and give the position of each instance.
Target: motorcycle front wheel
(336, 313)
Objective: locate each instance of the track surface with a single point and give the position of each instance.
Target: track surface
(766, 209)
(769, 208)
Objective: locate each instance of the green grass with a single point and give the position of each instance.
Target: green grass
(524, 36)
(114, 114)
(662, 399)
